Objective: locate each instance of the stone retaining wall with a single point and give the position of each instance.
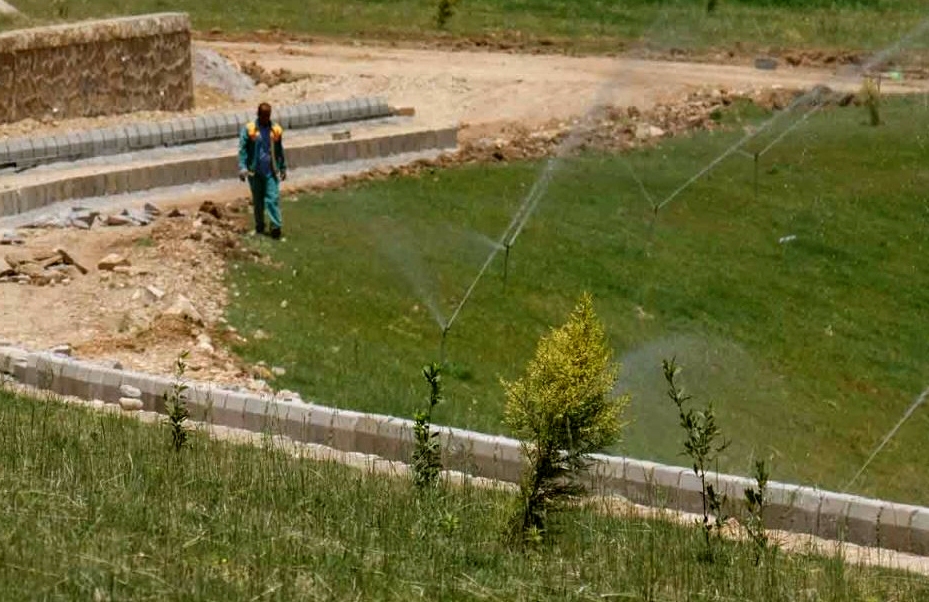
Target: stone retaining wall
(792, 508)
(97, 68)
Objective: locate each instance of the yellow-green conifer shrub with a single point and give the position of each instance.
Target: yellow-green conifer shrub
(563, 409)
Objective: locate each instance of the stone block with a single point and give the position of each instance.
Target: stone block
(123, 134)
(919, 532)
(259, 415)
(149, 135)
(185, 130)
(342, 430)
(40, 149)
(211, 127)
(61, 147)
(232, 411)
(894, 526)
(394, 441)
(797, 512)
(97, 141)
(78, 145)
(326, 110)
(16, 149)
(831, 516)
(315, 115)
(134, 136)
(109, 136)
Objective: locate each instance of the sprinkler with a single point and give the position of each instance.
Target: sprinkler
(442, 346)
(506, 262)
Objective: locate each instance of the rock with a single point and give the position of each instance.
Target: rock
(154, 293)
(11, 238)
(118, 220)
(183, 308)
(48, 221)
(151, 209)
(5, 268)
(124, 269)
(278, 371)
(286, 395)
(645, 131)
(83, 216)
(137, 217)
(261, 373)
(130, 404)
(204, 343)
(33, 270)
(211, 208)
(260, 335)
(97, 404)
(63, 349)
(112, 261)
(176, 213)
(765, 63)
(72, 259)
(130, 391)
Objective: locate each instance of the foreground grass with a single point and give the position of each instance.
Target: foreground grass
(97, 507)
(590, 25)
(811, 349)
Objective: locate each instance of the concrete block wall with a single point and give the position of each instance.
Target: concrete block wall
(97, 68)
(217, 167)
(792, 508)
(34, 150)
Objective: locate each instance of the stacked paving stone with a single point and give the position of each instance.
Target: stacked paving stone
(797, 509)
(34, 150)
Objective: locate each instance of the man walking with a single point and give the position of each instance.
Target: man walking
(262, 163)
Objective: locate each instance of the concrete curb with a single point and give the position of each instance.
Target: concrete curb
(792, 508)
(29, 151)
(215, 167)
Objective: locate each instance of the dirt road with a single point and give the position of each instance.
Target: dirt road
(480, 89)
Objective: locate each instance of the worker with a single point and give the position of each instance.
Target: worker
(262, 163)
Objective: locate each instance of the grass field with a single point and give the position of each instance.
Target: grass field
(811, 348)
(585, 25)
(97, 507)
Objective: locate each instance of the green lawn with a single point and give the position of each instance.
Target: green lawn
(584, 25)
(97, 507)
(810, 349)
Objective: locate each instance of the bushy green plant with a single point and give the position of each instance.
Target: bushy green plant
(563, 409)
(176, 405)
(703, 444)
(445, 10)
(426, 463)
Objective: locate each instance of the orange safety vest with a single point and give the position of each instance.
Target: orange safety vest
(277, 132)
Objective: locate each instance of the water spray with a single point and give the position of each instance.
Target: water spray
(909, 412)
(879, 58)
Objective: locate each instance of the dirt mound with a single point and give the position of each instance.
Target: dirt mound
(212, 70)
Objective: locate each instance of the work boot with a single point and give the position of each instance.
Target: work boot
(276, 233)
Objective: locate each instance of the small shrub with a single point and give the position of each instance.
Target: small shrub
(176, 405)
(871, 98)
(445, 10)
(427, 459)
(702, 445)
(755, 503)
(563, 409)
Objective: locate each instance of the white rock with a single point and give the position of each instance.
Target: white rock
(183, 308)
(112, 261)
(278, 371)
(130, 391)
(63, 349)
(130, 404)
(154, 293)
